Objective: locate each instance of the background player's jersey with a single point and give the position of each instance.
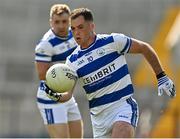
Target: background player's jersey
(103, 70)
(51, 49)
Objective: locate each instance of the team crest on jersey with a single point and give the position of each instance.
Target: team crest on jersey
(100, 51)
(90, 59)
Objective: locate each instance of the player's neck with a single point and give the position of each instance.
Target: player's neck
(90, 41)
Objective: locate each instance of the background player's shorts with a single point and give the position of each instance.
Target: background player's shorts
(61, 113)
(102, 123)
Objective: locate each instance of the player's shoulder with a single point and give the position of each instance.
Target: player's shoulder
(109, 38)
(46, 38)
(48, 35)
(43, 44)
(119, 36)
(111, 35)
(74, 55)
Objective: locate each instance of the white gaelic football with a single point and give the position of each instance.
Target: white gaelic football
(60, 78)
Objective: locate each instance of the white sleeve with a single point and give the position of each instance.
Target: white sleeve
(43, 52)
(122, 43)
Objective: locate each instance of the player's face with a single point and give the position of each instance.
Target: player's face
(60, 24)
(82, 30)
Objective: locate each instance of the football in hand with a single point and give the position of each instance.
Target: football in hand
(60, 78)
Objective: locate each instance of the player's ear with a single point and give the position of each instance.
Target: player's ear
(50, 22)
(92, 25)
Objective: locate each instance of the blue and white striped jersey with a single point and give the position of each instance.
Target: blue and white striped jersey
(53, 48)
(103, 71)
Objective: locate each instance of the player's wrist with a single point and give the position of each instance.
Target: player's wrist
(160, 75)
(162, 78)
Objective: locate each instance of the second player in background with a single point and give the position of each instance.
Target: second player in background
(62, 120)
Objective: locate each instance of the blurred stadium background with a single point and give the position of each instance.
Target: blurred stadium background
(22, 24)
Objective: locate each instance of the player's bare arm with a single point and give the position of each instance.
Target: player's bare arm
(66, 96)
(148, 52)
(42, 68)
(165, 84)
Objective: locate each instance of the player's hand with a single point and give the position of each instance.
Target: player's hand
(166, 85)
(51, 94)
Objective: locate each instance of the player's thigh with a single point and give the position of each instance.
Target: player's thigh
(58, 130)
(122, 129)
(76, 129)
(75, 121)
(56, 121)
(126, 120)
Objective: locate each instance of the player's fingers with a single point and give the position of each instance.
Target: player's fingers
(172, 91)
(160, 92)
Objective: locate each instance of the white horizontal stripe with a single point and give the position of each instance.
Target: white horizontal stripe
(43, 58)
(111, 88)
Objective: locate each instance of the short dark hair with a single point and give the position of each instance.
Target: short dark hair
(85, 12)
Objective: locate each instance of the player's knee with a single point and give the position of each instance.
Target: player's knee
(122, 130)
